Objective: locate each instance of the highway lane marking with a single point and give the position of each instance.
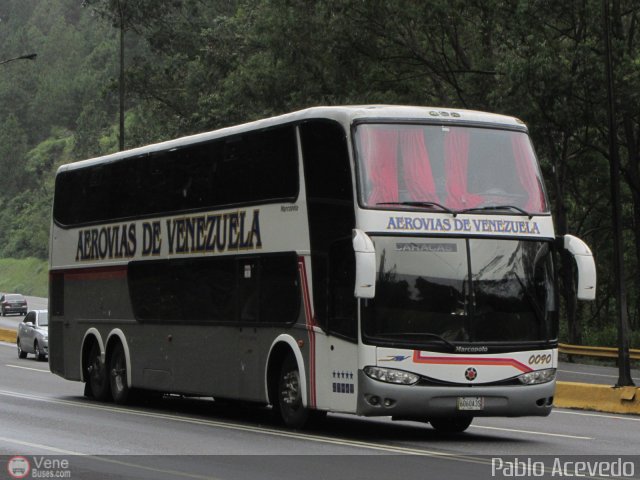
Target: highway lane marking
(102, 459)
(268, 431)
(590, 374)
(532, 432)
(28, 368)
(261, 430)
(601, 415)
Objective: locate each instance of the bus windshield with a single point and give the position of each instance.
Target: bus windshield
(451, 168)
(456, 291)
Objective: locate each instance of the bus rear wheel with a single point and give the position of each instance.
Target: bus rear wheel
(118, 375)
(293, 413)
(96, 375)
(451, 425)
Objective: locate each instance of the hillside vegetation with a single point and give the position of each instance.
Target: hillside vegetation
(29, 276)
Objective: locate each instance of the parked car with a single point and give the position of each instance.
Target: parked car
(13, 303)
(33, 335)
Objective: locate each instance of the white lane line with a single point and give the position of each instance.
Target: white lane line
(28, 368)
(532, 432)
(49, 448)
(629, 418)
(254, 429)
(589, 374)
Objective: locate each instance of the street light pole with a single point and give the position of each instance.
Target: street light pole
(121, 14)
(624, 363)
(30, 56)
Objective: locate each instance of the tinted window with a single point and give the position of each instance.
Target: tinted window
(330, 204)
(462, 290)
(248, 290)
(255, 167)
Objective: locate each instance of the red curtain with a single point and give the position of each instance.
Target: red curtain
(456, 152)
(524, 165)
(380, 152)
(417, 168)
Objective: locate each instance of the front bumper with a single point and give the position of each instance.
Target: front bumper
(423, 402)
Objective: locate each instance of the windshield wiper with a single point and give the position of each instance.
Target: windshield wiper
(421, 204)
(497, 207)
(435, 336)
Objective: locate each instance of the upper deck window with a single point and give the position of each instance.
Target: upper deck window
(457, 167)
(255, 167)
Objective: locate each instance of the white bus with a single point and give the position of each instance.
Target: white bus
(376, 260)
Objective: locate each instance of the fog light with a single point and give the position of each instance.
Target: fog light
(373, 400)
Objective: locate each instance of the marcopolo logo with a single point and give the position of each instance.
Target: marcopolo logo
(18, 467)
(470, 374)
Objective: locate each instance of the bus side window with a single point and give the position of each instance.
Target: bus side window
(330, 205)
(342, 278)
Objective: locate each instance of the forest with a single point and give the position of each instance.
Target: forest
(196, 65)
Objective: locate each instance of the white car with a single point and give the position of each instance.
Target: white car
(33, 335)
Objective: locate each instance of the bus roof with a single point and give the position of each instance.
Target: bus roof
(342, 114)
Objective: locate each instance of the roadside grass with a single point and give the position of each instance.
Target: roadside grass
(29, 276)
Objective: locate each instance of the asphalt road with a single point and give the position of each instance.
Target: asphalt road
(45, 417)
(598, 374)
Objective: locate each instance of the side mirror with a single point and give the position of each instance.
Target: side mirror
(586, 267)
(365, 265)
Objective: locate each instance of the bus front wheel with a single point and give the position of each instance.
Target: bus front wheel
(451, 425)
(293, 413)
(96, 375)
(118, 375)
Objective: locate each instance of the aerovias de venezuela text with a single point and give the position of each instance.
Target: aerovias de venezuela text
(209, 233)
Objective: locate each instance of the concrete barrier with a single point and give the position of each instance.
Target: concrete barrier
(7, 335)
(601, 398)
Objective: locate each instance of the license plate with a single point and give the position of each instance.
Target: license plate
(470, 403)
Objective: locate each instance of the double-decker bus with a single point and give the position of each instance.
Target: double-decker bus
(376, 260)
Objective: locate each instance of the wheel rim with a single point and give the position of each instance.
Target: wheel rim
(290, 394)
(95, 372)
(19, 348)
(118, 373)
(37, 349)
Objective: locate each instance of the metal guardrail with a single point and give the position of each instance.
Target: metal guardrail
(608, 352)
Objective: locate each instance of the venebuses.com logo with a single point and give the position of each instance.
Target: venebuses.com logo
(19, 467)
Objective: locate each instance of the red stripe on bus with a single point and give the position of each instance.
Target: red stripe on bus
(500, 362)
(94, 273)
(310, 322)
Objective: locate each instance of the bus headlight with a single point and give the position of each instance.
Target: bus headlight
(538, 376)
(391, 375)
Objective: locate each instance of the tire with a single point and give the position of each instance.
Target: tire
(451, 425)
(21, 353)
(118, 375)
(96, 375)
(292, 412)
(36, 349)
